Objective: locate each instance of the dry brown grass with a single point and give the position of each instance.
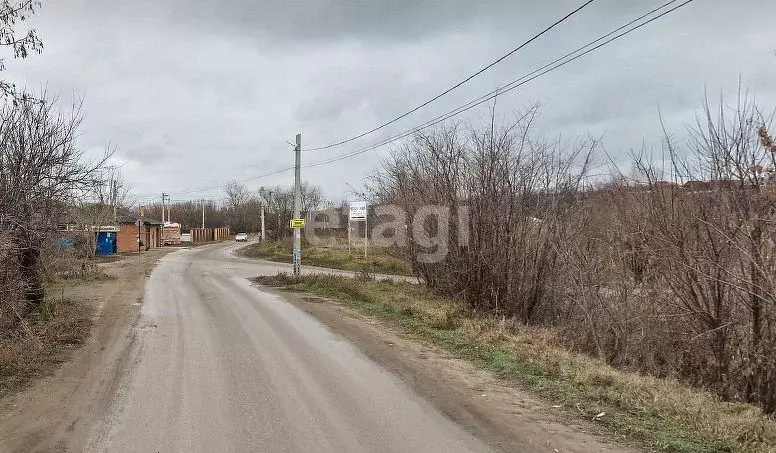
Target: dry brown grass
(43, 340)
(661, 414)
(379, 260)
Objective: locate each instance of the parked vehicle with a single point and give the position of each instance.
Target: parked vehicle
(241, 237)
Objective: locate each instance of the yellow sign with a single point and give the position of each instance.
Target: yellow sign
(297, 223)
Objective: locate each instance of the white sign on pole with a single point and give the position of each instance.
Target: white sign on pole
(357, 210)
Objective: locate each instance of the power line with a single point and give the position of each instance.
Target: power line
(223, 185)
(580, 52)
(555, 64)
(174, 201)
(457, 85)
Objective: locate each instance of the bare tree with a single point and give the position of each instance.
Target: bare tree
(244, 208)
(280, 205)
(236, 194)
(41, 169)
(312, 197)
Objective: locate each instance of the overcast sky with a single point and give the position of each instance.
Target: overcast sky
(195, 93)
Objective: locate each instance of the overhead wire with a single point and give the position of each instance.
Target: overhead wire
(555, 64)
(457, 85)
(223, 185)
(567, 58)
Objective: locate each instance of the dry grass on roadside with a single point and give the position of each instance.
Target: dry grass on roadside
(378, 260)
(43, 340)
(660, 414)
(64, 265)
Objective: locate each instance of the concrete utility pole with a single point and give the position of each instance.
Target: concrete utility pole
(203, 214)
(297, 206)
(115, 196)
(164, 195)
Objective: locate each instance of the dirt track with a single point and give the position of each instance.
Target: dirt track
(209, 362)
(52, 415)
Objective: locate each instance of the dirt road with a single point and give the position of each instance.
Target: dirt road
(52, 415)
(213, 363)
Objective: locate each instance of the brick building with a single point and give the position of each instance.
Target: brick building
(150, 235)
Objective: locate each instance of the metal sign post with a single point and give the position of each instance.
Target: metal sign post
(139, 223)
(358, 213)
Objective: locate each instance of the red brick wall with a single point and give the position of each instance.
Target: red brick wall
(126, 239)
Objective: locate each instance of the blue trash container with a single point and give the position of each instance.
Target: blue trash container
(106, 243)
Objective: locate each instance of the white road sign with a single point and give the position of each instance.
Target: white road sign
(357, 210)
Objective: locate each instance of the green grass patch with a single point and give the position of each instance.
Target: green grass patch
(658, 414)
(378, 260)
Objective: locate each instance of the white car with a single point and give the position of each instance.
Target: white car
(241, 237)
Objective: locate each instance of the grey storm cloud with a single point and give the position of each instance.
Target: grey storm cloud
(401, 20)
(196, 93)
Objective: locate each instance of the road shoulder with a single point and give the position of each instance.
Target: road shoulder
(498, 412)
(51, 414)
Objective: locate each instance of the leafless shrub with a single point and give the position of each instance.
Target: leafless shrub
(512, 194)
(612, 307)
(711, 245)
(671, 272)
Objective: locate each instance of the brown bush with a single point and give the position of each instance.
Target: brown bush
(672, 276)
(711, 248)
(518, 191)
(11, 290)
